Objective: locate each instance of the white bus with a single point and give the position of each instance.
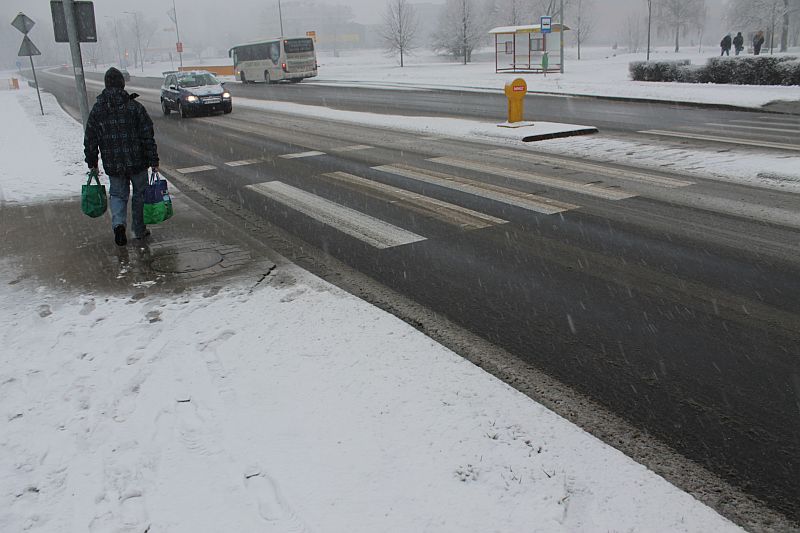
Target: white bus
(275, 60)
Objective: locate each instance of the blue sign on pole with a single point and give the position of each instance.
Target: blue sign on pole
(546, 24)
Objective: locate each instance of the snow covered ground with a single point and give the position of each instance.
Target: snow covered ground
(601, 72)
(293, 407)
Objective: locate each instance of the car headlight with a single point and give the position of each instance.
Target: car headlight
(192, 98)
(226, 95)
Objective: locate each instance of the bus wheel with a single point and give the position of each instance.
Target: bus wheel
(296, 80)
(244, 78)
(267, 79)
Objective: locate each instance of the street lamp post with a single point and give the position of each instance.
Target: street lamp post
(561, 37)
(138, 39)
(649, 18)
(280, 17)
(173, 15)
(116, 38)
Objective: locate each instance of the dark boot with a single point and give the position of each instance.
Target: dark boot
(119, 235)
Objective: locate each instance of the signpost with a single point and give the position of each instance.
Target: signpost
(24, 25)
(546, 24)
(76, 33)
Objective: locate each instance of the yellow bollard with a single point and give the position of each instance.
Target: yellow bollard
(516, 91)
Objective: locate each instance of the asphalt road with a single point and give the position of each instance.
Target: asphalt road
(698, 125)
(673, 301)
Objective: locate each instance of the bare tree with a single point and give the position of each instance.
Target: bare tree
(678, 15)
(634, 31)
(584, 22)
(400, 28)
(767, 15)
(460, 30)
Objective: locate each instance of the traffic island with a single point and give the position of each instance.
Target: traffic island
(534, 131)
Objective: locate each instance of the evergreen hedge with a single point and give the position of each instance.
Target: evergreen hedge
(751, 70)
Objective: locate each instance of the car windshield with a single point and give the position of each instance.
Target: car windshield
(197, 80)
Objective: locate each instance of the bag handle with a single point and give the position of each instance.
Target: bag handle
(92, 174)
(154, 177)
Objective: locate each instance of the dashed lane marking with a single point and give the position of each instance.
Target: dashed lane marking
(589, 189)
(312, 153)
(418, 203)
(366, 228)
(768, 121)
(728, 140)
(243, 162)
(191, 170)
(761, 128)
(354, 148)
(611, 172)
(503, 195)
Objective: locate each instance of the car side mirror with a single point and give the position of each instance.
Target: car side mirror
(173, 88)
(222, 83)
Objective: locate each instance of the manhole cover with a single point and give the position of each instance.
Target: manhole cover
(184, 262)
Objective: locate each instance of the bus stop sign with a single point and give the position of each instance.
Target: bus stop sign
(546, 24)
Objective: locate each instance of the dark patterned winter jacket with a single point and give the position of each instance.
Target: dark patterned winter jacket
(121, 129)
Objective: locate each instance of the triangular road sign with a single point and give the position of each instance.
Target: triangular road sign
(23, 23)
(28, 48)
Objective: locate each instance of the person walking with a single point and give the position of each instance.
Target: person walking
(758, 42)
(725, 44)
(738, 43)
(120, 128)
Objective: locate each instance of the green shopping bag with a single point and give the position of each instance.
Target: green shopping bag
(157, 202)
(93, 197)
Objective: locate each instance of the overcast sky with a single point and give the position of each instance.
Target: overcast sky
(244, 20)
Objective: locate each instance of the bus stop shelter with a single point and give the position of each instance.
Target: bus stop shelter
(522, 48)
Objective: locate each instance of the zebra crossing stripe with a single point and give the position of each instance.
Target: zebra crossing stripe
(191, 170)
(455, 215)
(312, 153)
(556, 183)
(625, 174)
(366, 228)
(523, 200)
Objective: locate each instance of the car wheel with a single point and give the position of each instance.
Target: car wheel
(165, 108)
(181, 111)
(227, 110)
(267, 79)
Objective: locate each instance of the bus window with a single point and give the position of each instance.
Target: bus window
(294, 46)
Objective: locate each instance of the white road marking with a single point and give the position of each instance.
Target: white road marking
(312, 153)
(503, 195)
(752, 127)
(632, 175)
(353, 148)
(243, 162)
(366, 228)
(780, 118)
(444, 211)
(765, 122)
(191, 170)
(547, 181)
(729, 140)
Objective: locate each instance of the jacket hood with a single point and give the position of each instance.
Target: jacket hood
(114, 97)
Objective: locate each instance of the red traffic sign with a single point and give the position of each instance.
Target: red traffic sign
(179, 47)
(28, 48)
(23, 23)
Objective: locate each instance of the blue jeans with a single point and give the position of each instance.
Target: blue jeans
(120, 190)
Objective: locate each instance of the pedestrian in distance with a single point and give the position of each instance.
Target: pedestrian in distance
(738, 43)
(120, 128)
(758, 42)
(725, 44)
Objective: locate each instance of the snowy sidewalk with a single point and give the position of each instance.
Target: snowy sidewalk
(231, 404)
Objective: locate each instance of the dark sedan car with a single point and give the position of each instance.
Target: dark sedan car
(191, 93)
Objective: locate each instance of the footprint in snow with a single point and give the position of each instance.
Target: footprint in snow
(88, 308)
(44, 311)
(271, 505)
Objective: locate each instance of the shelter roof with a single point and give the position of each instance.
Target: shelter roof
(532, 28)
